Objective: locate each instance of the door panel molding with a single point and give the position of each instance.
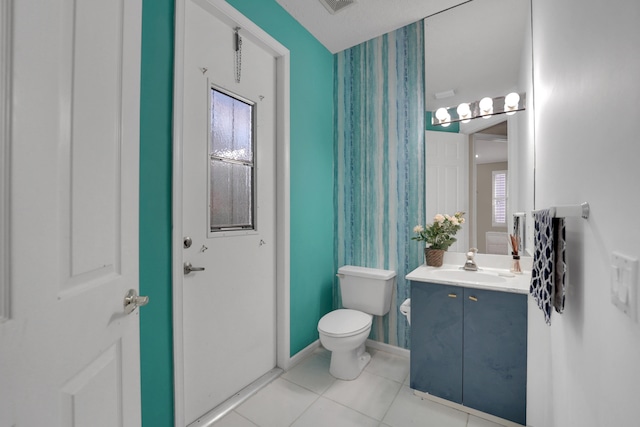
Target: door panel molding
(225, 12)
(5, 143)
(53, 337)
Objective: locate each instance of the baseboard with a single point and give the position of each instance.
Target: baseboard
(220, 411)
(459, 407)
(301, 355)
(377, 345)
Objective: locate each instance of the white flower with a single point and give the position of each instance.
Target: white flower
(418, 229)
(454, 221)
(461, 220)
(439, 218)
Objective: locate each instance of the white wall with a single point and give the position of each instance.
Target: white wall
(584, 370)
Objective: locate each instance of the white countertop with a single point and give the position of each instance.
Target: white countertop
(493, 279)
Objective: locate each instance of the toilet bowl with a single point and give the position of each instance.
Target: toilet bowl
(365, 292)
(344, 332)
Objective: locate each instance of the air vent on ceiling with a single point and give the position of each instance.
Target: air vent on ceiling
(334, 6)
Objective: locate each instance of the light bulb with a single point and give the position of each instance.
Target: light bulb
(441, 114)
(486, 107)
(464, 112)
(486, 104)
(512, 100)
(511, 103)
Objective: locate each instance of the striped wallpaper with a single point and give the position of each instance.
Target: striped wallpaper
(379, 183)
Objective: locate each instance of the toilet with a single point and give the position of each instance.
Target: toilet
(365, 292)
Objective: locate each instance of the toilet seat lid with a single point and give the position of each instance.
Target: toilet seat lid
(344, 322)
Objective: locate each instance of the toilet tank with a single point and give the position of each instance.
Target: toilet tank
(366, 289)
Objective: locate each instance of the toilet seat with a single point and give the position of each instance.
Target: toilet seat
(344, 323)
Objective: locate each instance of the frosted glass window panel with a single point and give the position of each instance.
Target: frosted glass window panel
(231, 124)
(231, 159)
(231, 196)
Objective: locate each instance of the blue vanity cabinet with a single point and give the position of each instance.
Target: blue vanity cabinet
(436, 340)
(495, 353)
(469, 346)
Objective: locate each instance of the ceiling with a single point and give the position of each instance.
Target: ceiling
(361, 21)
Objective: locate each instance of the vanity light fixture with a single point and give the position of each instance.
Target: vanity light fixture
(485, 108)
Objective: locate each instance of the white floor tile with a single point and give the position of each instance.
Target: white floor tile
(322, 352)
(479, 422)
(325, 412)
(277, 405)
(389, 365)
(369, 394)
(312, 374)
(234, 420)
(410, 410)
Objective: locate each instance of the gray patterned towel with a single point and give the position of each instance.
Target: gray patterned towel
(560, 267)
(548, 274)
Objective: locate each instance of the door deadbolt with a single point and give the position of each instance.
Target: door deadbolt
(187, 242)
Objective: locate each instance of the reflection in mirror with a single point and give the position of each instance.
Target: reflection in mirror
(483, 167)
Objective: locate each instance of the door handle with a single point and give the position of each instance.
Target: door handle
(188, 268)
(133, 301)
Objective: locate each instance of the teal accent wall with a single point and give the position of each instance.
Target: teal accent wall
(156, 109)
(312, 204)
(379, 87)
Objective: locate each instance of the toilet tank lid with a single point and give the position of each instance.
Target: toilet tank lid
(374, 273)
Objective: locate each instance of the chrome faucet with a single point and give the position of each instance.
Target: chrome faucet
(470, 263)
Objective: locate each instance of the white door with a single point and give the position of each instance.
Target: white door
(229, 308)
(447, 179)
(69, 355)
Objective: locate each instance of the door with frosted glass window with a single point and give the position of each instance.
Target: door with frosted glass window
(229, 291)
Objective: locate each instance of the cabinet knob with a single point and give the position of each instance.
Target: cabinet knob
(472, 298)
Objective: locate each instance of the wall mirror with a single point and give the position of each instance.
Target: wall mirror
(484, 167)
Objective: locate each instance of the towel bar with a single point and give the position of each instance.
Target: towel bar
(570, 210)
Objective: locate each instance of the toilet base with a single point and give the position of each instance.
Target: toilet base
(347, 365)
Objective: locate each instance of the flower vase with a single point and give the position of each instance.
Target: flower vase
(434, 257)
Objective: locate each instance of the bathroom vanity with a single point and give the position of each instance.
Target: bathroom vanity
(469, 338)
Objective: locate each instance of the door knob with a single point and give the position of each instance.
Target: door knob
(188, 268)
(132, 301)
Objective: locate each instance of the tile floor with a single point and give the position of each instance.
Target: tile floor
(308, 396)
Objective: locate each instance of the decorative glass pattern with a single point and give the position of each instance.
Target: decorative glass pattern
(231, 156)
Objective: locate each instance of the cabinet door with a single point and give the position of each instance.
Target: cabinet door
(436, 340)
(495, 353)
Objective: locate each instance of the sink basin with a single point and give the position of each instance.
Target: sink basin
(462, 276)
